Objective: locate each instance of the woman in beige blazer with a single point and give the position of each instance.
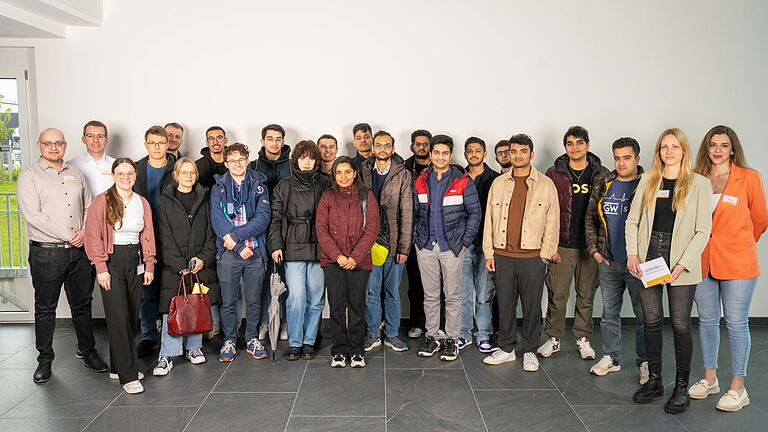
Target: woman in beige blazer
(670, 217)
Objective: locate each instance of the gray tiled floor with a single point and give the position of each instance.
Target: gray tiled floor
(395, 392)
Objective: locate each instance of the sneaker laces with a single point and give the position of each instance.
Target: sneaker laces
(229, 347)
(197, 352)
(162, 362)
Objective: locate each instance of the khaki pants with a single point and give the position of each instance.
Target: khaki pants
(574, 264)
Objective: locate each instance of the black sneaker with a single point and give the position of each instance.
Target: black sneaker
(95, 363)
(371, 342)
(78, 354)
(294, 353)
(430, 347)
(338, 361)
(450, 351)
(146, 347)
(308, 352)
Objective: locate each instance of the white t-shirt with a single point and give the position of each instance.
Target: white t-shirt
(715, 200)
(98, 173)
(132, 224)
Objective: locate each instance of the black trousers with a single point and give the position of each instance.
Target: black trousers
(50, 269)
(680, 305)
(346, 299)
(121, 309)
(415, 291)
(523, 278)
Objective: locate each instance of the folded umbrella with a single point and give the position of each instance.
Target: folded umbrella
(276, 288)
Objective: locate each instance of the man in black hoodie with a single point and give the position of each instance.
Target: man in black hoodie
(212, 161)
(274, 162)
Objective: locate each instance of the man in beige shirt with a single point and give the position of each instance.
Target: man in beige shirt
(53, 198)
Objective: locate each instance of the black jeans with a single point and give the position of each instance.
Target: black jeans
(50, 269)
(680, 305)
(523, 278)
(415, 291)
(346, 299)
(121, 309)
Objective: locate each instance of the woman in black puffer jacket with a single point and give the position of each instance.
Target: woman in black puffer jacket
(292, 238)
(183, 221)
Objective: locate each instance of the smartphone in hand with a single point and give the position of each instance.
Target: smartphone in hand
(192, 264)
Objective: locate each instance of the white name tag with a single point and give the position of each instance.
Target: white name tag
(107, 173)
(453, 200)
(664, 193)
(730, 199)
(423, 198)
(140, 269)
(68, 178)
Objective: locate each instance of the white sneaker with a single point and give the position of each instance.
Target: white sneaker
(284, 332)
(732, 401)
(357, 361)
(551, 346)
(701, 389)
(164, 366)
(133, 387)
(530, 362)
(338, 361)
(114, 376)
(263, 330)
(644, 373)
(195, 356)
(415, 333)
(605, 366)
(498, 357)
(585, 349)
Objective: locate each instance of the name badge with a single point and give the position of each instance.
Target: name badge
(68, 178)
(140, 269)
(106, 173)
(730, 199)
(664, 193)
(423, 198)
(230, 208)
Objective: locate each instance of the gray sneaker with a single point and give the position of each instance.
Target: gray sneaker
(396, 344)
(371, 342)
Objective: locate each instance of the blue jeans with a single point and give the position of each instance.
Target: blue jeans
(736, 297)
(171, 346)
(614, 280)
(148, 309)
(304, 305)
(475, 275)
(231, 268)
(390, 273)
(216, 313)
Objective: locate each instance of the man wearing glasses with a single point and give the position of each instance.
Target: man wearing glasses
(212, 161)
(95, 164)
(175, 139)
(153, 174)
(53, 198)
(386, 175)
(502, 156)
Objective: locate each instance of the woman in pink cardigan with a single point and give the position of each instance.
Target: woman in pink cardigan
(120, 242)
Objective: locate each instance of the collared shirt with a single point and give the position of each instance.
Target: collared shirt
(437, 190)
(385, 171)
(53, 202)
(98, 173)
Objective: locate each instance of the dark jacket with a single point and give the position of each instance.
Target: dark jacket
(359, 159)
(483, 185)
(182, 236)
(207, 168)
(140, 187)
(562, 178)
(461, 209)
(410, 165)
(595, 226)
(294, 202)
(396, 202)
(339, 224)
(257, 208)
(275, 170)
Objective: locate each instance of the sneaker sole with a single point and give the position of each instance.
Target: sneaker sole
(715, 390)
(338, 365)
(373, 345)
(427, 353)
(548, 355)
(221, 360)
(744, 403)
(448, 358)
(357, 365)
(394, 348)
(493, 362)
(95, 370)
(595, 372)
(589, 357)
(530, 369)
(487, 351)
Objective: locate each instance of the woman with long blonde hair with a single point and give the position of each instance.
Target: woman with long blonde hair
(670, 218)
(730, 265)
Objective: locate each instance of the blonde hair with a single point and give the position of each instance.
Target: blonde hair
(684, 181)
(181, 162)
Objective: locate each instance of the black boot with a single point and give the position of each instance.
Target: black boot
(653, 389)
(679, 401)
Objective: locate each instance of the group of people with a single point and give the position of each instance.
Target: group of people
(474, 243)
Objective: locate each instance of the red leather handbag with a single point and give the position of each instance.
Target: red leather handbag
(188, 313)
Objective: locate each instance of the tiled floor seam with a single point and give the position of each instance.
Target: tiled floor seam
(298, 390)
(566, 400)
(386, 422)
(206, 397)
(477, 404)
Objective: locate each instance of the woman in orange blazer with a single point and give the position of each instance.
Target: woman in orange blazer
(730, 264)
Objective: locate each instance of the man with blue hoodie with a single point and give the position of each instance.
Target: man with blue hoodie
(240, 214)
(446, 219)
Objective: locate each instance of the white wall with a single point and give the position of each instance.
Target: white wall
(464, 68)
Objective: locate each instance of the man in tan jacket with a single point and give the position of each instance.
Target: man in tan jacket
(520, 237)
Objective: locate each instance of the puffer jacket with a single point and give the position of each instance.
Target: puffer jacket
(562, 178)
(294, 202)
(396, 202)
(595, 226)
(181, 236)
(340, 227)
(461, 209)
(275, 170)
